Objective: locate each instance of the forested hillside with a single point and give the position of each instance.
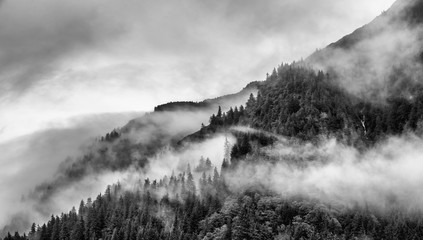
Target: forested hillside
(202, 207)
(294, 101)
(305, 117)
(299, 102)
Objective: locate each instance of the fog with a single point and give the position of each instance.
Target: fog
(170, 160)
(32, 159)
(384, 177)
(64, 59)
(69, 162)
(64, 192)
(64, 64)
(381, 59)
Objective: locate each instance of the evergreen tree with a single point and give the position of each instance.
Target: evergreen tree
(78, 231)
(219, 112)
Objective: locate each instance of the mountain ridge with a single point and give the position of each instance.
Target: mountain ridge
(380, 59)
(295, 102)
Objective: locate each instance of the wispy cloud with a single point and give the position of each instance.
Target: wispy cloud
(384, 177)
(61, 59)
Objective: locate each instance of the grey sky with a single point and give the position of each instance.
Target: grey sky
(60, 59)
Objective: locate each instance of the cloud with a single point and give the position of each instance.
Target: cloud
(52, 33)
(63, 164)
(31, 160)
(79, 57)
(37, 36)
(384, 177)
(381, 59)
(61, 59)
(169, 160)
(65, 157)
(76, 178)
(139, 141)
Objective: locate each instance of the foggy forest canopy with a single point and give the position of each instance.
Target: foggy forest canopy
(324, 148)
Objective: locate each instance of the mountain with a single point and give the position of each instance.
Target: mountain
(382, 58)
(131, 146)
(370, 86)
(140, 139)
(407, 12)
(340, 113)
(224, 102)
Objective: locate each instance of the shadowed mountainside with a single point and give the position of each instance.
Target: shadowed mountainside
(382, 58)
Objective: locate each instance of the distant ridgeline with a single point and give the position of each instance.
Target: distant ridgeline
(208, 103)
(186, 106)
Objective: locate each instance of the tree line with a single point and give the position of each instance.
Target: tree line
(199, 205)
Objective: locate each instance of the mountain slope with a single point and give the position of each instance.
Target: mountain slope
(131, 146)
(370, 89)
(382, 58)
(224, 102)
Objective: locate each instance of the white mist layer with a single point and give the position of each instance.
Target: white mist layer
(33, 159)
(169, 161)
(389, 175)
(388, 49)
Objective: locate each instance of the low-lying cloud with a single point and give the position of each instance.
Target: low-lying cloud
(69, 155)
(63, 59)
(382, 59)
(33, 159)
(384, 177)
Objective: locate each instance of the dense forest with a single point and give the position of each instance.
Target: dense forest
(294, 101)
(186, 207)
(299, 102)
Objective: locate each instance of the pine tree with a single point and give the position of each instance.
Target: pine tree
(190, 181)
(43, 233)
(208, 164)
(81, 208)
(64, 231)
(55, 235)
(78, 231)
(219, 112)
(251, 101)
(225, 165)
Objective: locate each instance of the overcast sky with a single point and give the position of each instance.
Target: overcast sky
(61, 59)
